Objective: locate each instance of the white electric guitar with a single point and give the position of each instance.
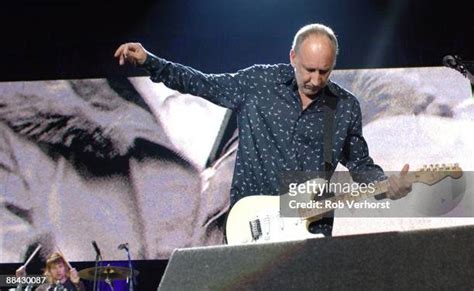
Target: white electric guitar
(257, 219)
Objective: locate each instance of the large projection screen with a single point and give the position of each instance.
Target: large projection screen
(127, 160)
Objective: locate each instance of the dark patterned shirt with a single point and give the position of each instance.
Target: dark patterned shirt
(275, 134)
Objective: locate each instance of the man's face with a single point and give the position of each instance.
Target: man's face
(58, 271)
(313, 63)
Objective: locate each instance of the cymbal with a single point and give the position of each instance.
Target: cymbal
(108, 272)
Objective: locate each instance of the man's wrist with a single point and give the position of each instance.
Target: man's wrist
(151, 63)
(146, 62)
(154, 66)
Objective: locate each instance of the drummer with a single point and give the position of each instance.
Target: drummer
(58, 274)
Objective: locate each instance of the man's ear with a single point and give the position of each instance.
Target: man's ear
(292, 57)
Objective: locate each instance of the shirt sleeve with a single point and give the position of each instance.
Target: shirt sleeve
(222, 89)
(80, 286)
(356, 153)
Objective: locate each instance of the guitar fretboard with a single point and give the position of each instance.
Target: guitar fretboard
(356, 196)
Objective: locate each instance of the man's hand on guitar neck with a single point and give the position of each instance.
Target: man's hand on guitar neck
(399, 186)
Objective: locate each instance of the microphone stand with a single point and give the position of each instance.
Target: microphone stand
(131, 282)
(97, 256)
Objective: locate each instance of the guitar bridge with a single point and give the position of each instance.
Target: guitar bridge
(255, 229)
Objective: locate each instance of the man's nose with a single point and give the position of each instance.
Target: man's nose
(316, 79)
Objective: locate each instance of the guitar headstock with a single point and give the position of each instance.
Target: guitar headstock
(433, 173)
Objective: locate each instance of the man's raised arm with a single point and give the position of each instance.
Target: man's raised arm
(222, 89)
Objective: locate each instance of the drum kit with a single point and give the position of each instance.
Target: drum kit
(108, 274)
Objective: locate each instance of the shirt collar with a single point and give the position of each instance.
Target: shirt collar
(287, 76)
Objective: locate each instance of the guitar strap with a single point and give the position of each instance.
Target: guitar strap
(324, 225)
(329, 117)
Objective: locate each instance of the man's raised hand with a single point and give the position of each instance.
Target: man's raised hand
(131, 52)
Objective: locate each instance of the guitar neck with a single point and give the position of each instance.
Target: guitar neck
(380, 187)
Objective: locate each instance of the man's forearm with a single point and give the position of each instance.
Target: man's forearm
(221, 89)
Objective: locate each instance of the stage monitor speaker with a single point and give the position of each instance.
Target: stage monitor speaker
(416, 260)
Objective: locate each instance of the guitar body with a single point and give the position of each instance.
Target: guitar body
(256, 219)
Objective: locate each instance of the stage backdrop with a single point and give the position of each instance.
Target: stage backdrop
(127, 160)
